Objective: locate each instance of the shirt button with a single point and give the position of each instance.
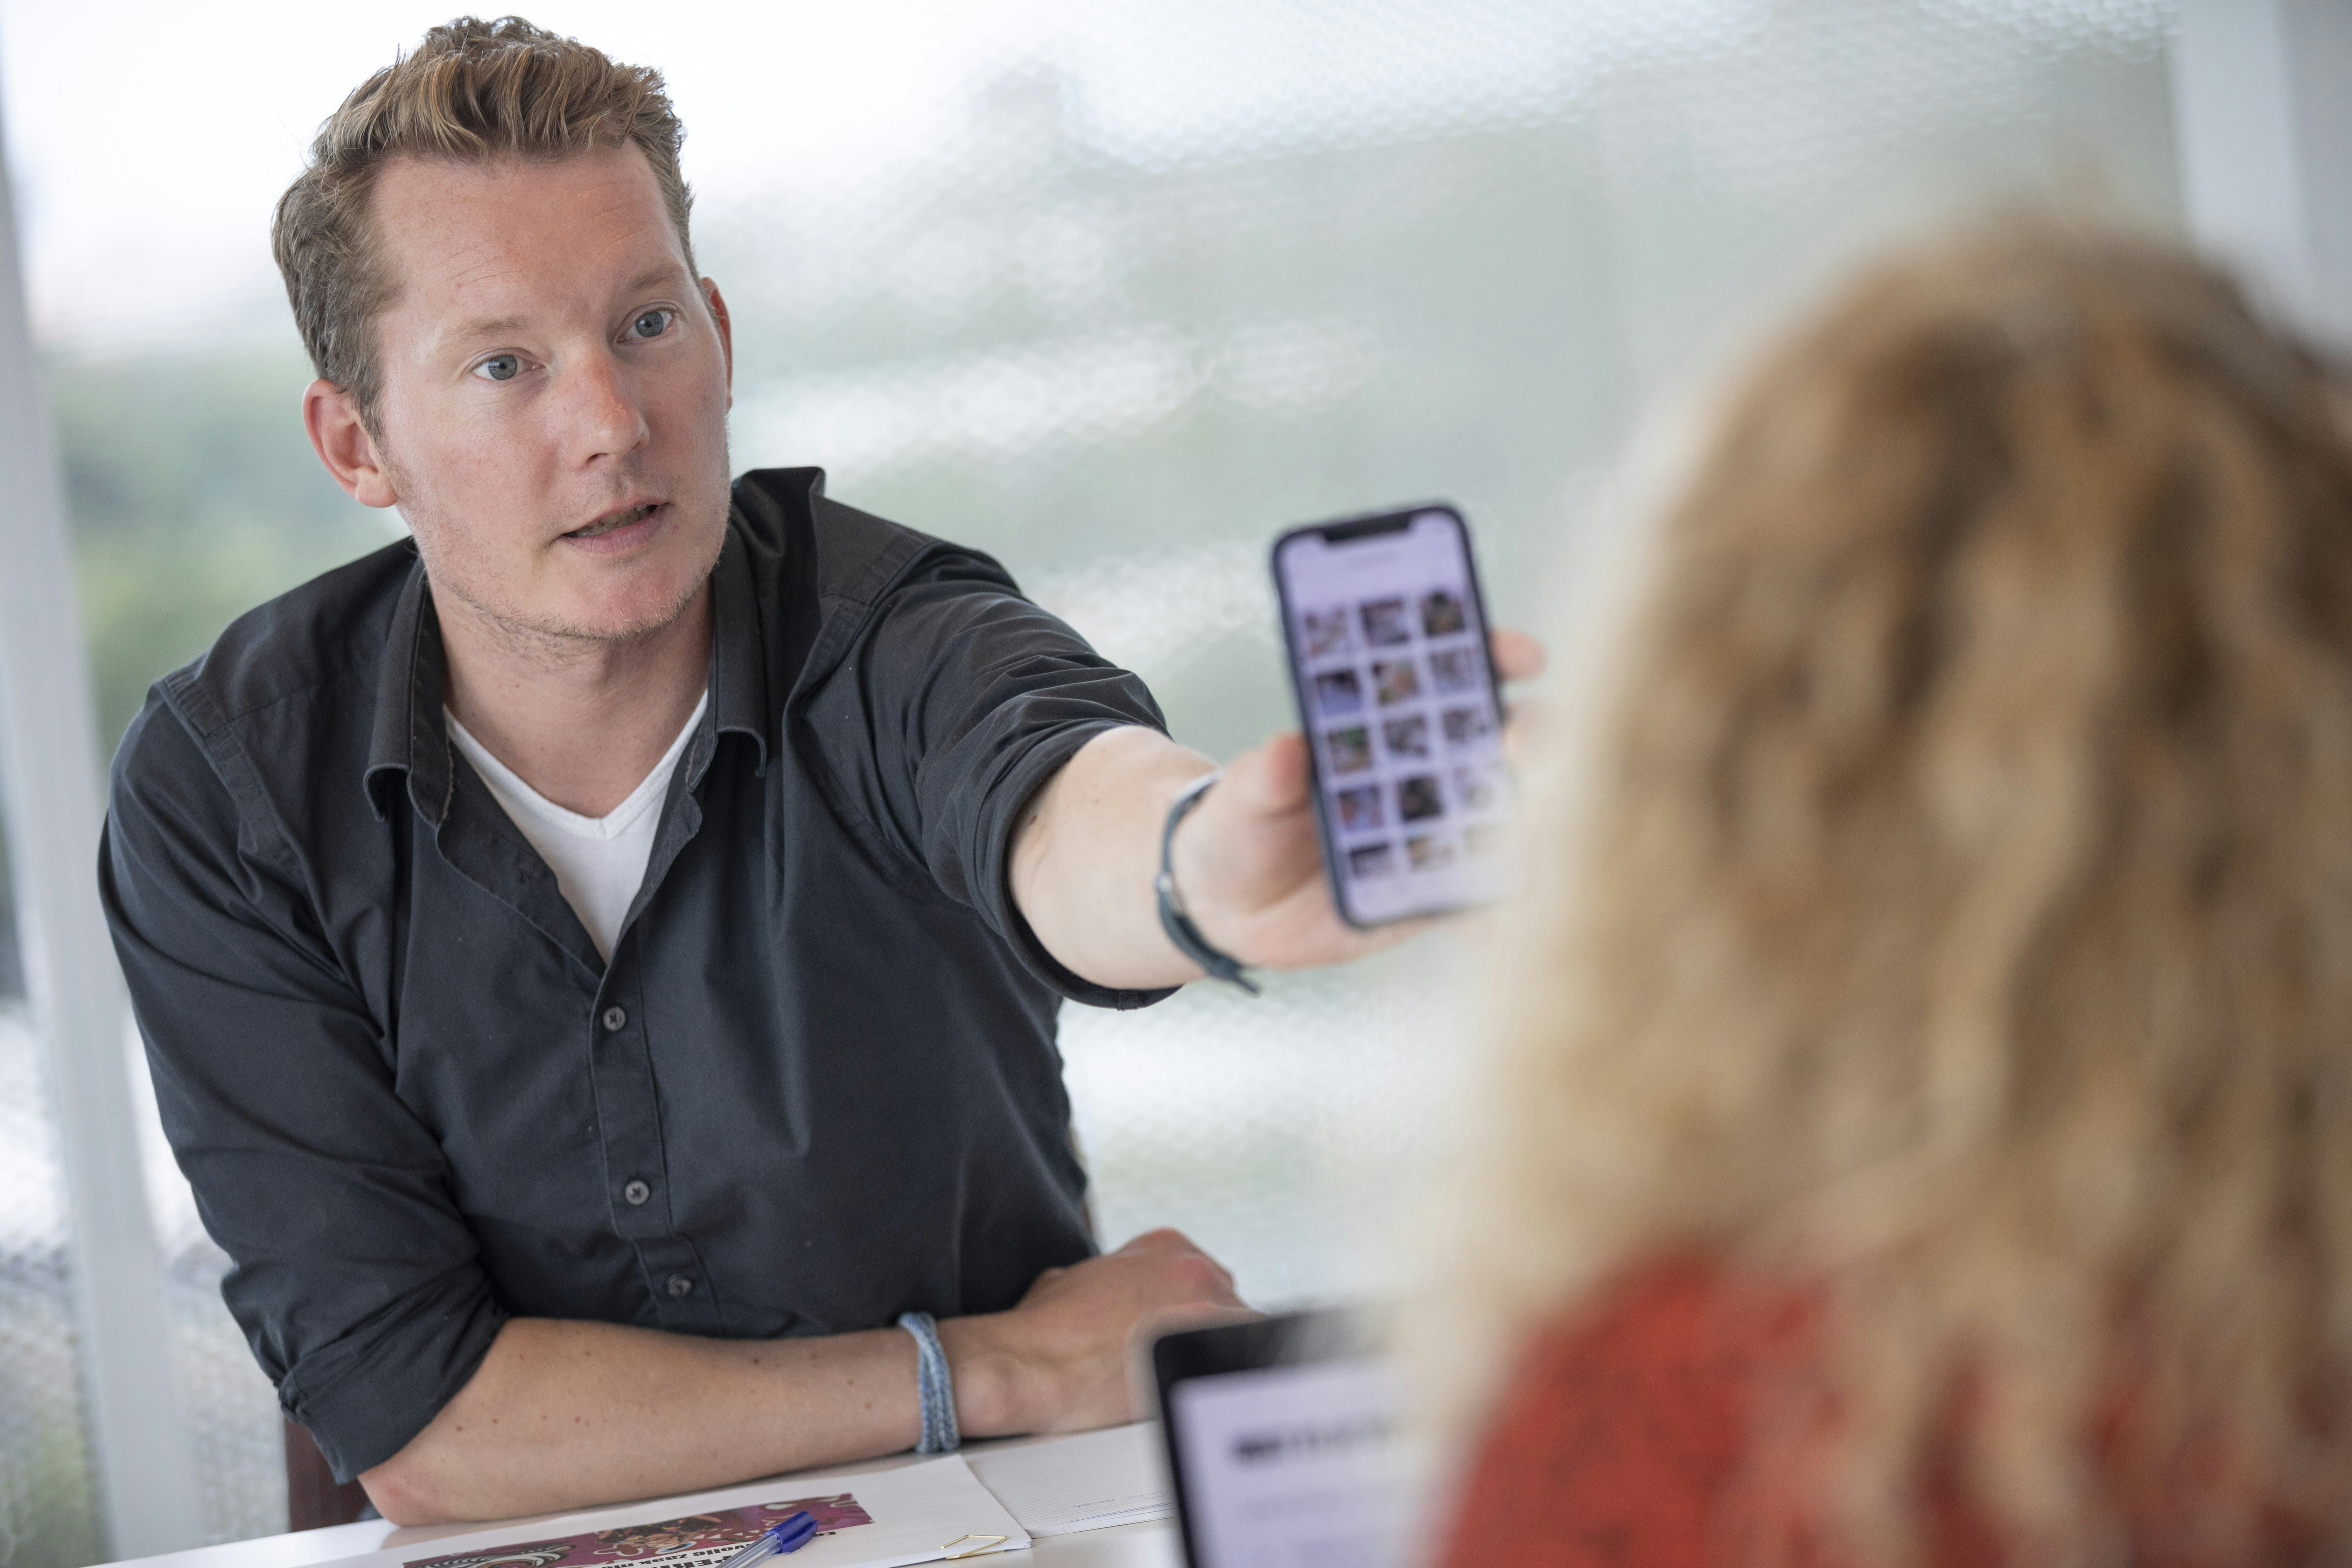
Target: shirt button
(636, 1192)
(680, 1286)
(615, 1019)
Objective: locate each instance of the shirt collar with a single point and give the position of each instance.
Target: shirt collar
(410, 737)
(738, 663)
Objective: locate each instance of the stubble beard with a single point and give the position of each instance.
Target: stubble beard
(553, 643)
(550, 641)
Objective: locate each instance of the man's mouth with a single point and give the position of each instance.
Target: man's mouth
(612, 520)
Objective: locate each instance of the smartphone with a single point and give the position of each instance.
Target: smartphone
(1387, 636)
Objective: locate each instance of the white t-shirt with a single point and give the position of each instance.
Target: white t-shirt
(599, 861)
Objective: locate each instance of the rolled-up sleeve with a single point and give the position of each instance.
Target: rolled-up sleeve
(962, 700)
(354, 1277)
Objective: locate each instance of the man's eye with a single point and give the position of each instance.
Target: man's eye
(652, 324)
(499, 367)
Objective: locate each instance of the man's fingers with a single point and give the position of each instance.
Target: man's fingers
(1271, 779)
(1167, 1238)
(1517, 656)
(1203, 1274)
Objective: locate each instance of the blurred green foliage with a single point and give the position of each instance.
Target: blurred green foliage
(49, 1511)
(193, 496)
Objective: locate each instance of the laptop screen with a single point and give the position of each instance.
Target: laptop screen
(1283, 1447)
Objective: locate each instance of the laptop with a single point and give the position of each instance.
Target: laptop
(1283, 1444)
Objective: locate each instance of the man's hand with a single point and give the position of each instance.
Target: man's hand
(1247, 860)
(1251, 867)
(1059, 1361)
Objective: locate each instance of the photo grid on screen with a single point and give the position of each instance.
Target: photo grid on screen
(1404, 732)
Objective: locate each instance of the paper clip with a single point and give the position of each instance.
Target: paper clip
(972, 1545)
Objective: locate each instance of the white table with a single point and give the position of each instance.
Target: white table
(1149, 1545)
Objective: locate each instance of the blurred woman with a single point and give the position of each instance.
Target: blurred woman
(1926, 1127)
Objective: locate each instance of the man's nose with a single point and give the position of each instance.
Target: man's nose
(606, 416)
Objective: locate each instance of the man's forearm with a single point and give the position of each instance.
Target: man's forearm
(1088, 850)
(568, 1414)
(1247, 862)
(560, 1415)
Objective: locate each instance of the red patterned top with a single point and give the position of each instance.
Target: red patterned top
(1624, 1440)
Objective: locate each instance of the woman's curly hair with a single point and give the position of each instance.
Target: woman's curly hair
(1963, 926)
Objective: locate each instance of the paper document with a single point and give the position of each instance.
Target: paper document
(1089, 1480)
(879, 1519)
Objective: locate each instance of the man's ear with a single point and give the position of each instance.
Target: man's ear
(341, 438)
(718, 303)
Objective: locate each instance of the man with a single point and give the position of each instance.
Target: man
(599, 959)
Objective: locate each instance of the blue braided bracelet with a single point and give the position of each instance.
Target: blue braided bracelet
(937, 1388)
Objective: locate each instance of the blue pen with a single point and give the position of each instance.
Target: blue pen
(789, 1533)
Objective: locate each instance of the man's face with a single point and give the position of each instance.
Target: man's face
(553, 413)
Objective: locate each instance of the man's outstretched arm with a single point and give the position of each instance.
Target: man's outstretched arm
(1247, 861)
(562, 1414)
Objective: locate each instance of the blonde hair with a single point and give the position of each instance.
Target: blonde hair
(1963, 926)
(473, 90)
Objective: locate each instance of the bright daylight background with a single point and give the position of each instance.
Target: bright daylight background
(1113, 290)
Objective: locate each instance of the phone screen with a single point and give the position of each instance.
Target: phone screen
(1387, 636)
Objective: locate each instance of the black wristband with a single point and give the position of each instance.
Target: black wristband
(1173, 920)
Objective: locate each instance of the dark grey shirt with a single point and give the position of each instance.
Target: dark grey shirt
(815, 1087)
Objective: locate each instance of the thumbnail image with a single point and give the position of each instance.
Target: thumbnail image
(1360, 809)
(1371, 860)
(1407, 737)
(1338, 691)
(1351, 749)
(1396, 680)
(1427, 851)
(1474, 788)
(1486, 840)
(1386, 623)
(1456, 668)
(1417, 797)
(1442, 613)
(1326, 631)
(1465, 726)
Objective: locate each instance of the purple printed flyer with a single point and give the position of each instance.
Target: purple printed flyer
(697, 1540)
